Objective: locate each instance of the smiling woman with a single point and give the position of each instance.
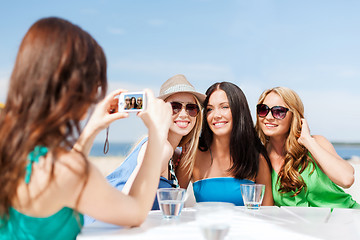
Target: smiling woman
(230, 152)
(307, 171)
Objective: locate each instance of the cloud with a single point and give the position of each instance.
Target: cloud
(115, 30)
(131, 86)
(333, 113)
(341, 71)
(199, 71)
(89, 11)
(324, 76)
(156, 22)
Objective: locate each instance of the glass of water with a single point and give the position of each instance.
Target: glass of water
(171, 201)
(252, 195)
(214, 219)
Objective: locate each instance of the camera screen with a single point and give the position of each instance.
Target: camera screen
(133, 102)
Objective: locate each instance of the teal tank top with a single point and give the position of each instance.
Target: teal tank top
(321, 191)
(65, 224)
(222, 189)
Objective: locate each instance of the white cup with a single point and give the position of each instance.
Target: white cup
(171, 201)
(214, 219)
(252, 195)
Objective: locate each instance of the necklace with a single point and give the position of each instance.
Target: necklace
(172, 176)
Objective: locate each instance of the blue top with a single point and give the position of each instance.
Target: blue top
(222, 189)
(120, 175)
(64, 224)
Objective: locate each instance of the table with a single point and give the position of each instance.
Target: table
(273, 222)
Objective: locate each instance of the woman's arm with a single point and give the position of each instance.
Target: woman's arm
(264, 177)
(105, 203)
(104, 113)
(165, 155)
(337, 169)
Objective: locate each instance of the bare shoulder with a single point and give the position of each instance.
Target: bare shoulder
(201, 164)
(57, 181)
(168, 151)
(263, 164)
(199, 156)
(72, 161)
(262, 159)
(70, 167)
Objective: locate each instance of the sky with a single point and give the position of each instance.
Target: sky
(312, 47)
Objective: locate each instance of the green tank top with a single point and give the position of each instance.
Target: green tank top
(321, 191)
(65, 224)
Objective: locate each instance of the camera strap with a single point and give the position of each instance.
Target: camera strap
(106, 144)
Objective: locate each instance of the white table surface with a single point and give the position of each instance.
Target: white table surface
(288, 223)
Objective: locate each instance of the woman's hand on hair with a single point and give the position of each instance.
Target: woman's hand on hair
(305, 133)
(157, 115)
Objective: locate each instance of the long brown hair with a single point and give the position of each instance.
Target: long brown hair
(60, 70)
(245, 145)
(296, 159)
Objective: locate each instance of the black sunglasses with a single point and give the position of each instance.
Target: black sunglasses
(277, 112)
(191, 108)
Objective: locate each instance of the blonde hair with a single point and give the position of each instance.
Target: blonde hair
(296, 159)
(190, 142)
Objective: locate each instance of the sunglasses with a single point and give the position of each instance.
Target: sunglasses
(277, 112)
(191, 108)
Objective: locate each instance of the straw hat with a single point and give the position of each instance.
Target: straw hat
(177, 84)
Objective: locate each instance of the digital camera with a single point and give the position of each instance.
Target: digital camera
(132, 101)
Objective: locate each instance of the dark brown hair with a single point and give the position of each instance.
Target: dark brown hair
(245, 145)
(60, 70)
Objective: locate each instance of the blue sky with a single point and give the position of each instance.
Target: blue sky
(312, 47)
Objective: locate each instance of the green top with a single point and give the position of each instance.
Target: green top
(65, 224)
(321, 192)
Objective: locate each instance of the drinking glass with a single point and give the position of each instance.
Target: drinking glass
(171, 201)
(214, 219)
(252, 195)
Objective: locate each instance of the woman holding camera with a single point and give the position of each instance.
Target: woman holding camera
(46, 184)
(183, 137)
(307, 171)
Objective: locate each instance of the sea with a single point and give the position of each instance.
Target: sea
(345, 150)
